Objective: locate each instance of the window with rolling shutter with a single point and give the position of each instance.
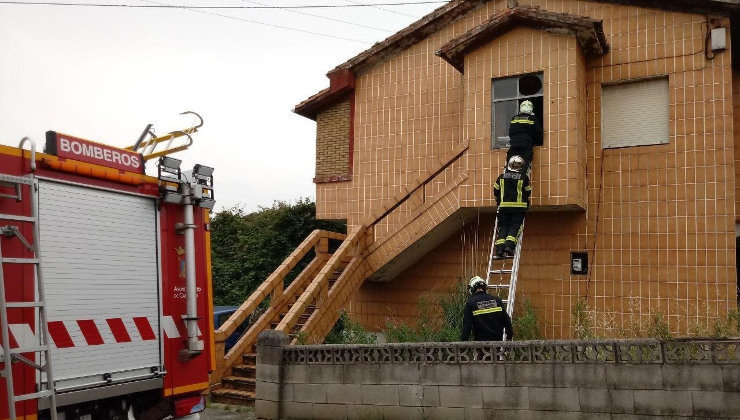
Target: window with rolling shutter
(635, 113)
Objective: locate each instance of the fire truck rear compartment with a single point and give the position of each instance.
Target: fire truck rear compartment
(100, 253)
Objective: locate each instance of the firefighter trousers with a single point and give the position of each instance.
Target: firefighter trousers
(509, 225)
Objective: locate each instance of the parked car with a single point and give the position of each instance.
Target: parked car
(220, 315)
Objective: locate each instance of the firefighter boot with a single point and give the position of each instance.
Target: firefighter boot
(509, 249)
(500, 251)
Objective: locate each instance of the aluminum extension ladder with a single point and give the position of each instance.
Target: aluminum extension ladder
(11, 356)
(498, 283)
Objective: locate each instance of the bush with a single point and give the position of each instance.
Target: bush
(348, 331)
(246, 248)
(659, 328)
(728, 327)
(526, 322)
(441, 317)
(582, 326)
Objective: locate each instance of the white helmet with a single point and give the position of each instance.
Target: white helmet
(516, 163)
(526, 107)
(475, 282)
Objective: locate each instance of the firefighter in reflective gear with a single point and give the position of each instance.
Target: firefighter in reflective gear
(525, 131)
(485, 315)
(511, 191)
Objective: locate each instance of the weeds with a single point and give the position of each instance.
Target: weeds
(348, 331)
(301, 338)
(582, 325)
(441, 318)
(526, 322)
(658, 328)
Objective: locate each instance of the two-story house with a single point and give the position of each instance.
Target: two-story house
(637, 167)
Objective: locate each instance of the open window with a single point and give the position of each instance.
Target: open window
(507, 94)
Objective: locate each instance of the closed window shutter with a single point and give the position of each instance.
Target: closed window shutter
(635, 114)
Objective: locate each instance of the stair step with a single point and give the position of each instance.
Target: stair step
(238, 383)
(233, 397)
(249, 359)
(244, 371)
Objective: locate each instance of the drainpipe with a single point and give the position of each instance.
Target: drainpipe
(194, 345)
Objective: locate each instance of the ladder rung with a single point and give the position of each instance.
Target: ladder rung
(33, 396)
(498, 286)
(32, 349)
(10, 179)
(500, 271)
(17, 218)
(24, 304)
(21, 260)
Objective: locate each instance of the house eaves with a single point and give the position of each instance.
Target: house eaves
(451, 12)
(588, 32)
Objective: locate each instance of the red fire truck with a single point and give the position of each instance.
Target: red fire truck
(105, 287)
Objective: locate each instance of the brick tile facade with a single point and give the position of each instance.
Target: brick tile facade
(332, 141)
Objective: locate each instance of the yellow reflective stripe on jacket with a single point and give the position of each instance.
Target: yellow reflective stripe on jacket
(487, 311)
(518, 205)
(519, 186)
(522, 122)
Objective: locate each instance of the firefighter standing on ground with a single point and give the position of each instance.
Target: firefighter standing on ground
(511, 191)
(524, 132)
(485, 315)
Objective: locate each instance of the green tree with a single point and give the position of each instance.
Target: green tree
(246, 248)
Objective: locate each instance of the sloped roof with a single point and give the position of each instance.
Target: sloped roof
(588, 32)
(456, 9)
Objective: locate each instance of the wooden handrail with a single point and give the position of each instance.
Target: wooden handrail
(273, 282)
(321, 321)
(317, 285)
(225, 361)
(420, 182)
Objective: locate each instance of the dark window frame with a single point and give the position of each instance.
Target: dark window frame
(499, 142)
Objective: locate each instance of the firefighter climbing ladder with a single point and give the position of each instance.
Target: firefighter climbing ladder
(497, 275)
(10, 356)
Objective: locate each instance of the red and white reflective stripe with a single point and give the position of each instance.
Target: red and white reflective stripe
(89, 332)
(22, 335)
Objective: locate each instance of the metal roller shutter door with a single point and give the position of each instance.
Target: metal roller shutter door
(635, 113)
(99, 254)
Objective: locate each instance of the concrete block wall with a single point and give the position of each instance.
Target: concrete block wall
(461, 380)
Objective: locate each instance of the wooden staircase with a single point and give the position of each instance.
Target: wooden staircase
(239, 387)
(309, 307)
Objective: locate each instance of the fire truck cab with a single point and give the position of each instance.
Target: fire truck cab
(106, 303)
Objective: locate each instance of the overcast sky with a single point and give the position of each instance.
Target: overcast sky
(104, 73)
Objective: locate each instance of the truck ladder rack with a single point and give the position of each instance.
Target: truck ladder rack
(10, 356)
